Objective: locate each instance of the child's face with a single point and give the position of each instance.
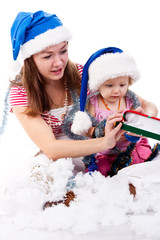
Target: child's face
(114, 89)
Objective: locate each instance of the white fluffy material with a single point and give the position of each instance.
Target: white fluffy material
(44, 40)
(15, 67)
(109, 66)
(81, 123)
(27, 182)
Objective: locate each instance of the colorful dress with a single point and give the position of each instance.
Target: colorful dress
(140, 151)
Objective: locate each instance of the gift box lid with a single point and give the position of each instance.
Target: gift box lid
(141, 124)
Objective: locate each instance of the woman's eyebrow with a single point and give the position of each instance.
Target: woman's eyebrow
(64, 45)
(45, 51)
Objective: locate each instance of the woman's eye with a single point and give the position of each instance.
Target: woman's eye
(48, 56)
(63, 52)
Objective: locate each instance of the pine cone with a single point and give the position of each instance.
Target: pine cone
(67, 199)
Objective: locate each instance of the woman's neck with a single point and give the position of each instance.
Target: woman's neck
(59, 93)
(56, 92)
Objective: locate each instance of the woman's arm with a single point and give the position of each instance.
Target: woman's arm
(148, 108)
(42, 135)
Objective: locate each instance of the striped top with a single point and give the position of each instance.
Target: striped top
(18, 97)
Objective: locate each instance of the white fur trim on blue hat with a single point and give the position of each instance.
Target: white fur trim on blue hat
(81, 123)
(49, 38)
(109, 66)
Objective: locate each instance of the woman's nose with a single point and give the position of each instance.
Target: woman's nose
(57, 60)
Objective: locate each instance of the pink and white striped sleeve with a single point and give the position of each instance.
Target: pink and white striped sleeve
(17, 97)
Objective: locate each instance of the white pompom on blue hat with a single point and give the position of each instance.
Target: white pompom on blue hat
(34, 32)
(105, 64)
(81, 123)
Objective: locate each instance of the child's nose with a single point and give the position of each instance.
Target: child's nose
(116, 90)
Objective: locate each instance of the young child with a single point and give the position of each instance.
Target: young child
(109, 73)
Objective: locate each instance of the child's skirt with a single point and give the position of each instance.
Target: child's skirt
(109, 164)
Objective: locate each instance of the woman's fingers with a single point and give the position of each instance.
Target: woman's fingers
(115, 115)
(117, 128)
(112, 119)
(117, 132)
(112, 132)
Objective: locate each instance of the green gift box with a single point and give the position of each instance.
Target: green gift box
(141, 124)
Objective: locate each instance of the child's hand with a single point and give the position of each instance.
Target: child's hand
(140, 110)
(150, 112)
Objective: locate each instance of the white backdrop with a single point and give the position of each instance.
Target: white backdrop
(133, 26)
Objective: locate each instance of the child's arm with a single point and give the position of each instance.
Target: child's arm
(148, 108)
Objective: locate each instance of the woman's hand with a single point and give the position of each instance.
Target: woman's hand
(112, 133)
(123, 138)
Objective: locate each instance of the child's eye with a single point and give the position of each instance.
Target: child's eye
(123, 85)
(109, 85)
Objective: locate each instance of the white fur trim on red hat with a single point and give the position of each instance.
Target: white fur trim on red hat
(109, 66)
(81, 123)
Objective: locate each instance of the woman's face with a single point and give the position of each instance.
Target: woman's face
(52, 61)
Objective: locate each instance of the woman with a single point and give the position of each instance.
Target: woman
(47, 87)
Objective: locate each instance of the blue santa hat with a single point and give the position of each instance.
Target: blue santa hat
(34, 32)
(105, 64)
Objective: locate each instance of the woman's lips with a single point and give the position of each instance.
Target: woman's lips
(57, 72)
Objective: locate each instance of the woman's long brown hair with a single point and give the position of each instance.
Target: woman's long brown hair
(34, 84)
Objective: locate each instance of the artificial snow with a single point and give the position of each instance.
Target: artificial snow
(103, 207)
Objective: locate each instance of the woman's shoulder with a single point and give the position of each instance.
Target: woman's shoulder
(18, 96)
(19, 90)
(80, 68)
